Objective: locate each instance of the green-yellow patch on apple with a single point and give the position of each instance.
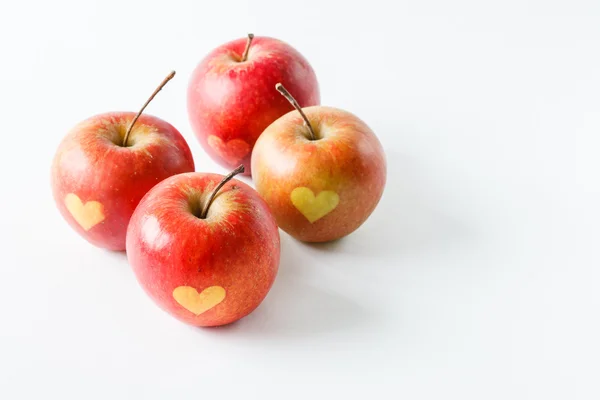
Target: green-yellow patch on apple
(198, 303)
(87, 215)
(314, 207)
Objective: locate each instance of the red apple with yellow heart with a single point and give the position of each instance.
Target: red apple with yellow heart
(107, 163)
(321, 170)
(204, 247)
(230, 95)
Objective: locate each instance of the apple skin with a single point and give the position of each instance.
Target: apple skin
(347, 159)
(231, 102)
(91, 164)
(236, 247)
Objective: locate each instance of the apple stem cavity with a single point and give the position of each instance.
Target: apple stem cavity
(247, 49)
(294, 103)
(229, 176)
(158, 89)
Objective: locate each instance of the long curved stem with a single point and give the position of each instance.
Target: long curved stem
(158, 89)
(293, 102)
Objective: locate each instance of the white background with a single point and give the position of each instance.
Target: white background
(477, 277)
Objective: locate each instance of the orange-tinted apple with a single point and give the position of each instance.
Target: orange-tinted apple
(107, 163)
(204, 248)
(321, 170)
(230, 95)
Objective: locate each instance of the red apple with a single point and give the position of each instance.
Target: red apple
(206, 259)
(321, 170)
(231, 99)
(107, 163)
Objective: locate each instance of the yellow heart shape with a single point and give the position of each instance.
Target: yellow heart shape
(197, 303)
(87, 215)
(314, 207)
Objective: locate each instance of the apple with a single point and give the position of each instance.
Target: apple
(107, 163)
(204, 248)
(230, 95)
(321, 170)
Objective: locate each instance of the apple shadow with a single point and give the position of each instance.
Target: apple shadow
(119, 256)
(295, 308)
(406, 222)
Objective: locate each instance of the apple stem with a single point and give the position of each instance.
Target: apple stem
(229, 176)
(247, 49)
(293, 102)
(158, 89)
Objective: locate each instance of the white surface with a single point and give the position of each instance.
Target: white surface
(476, 278)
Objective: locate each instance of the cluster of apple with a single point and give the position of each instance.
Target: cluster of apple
(205, 247)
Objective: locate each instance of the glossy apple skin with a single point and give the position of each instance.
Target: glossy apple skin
(347, 159)
(90, 165)
(233, 101)
(236, 247)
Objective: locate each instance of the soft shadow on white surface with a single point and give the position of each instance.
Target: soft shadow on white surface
(295, 308)
(319, 288)
(407, 221)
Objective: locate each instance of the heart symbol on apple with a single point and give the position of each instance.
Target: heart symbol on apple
(314, 207)
(232, 151)
(230, 98)
(198, 303)
(114, 157)
(222, 277)
(315, 148)
(87, 215)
